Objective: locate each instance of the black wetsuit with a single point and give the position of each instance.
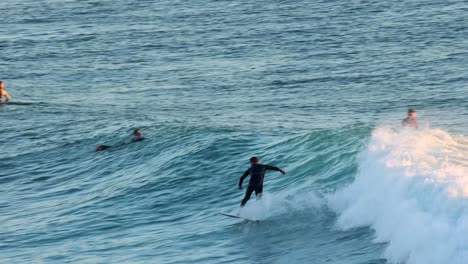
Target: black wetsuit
(257, 173)
(133, 140)
(102, 147)
(137, 138)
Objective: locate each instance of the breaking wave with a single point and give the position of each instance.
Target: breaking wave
(411, 188)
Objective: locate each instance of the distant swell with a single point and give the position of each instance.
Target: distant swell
(412, 189)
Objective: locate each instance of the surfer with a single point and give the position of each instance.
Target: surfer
(257, 173)
(411, 121)
(137, 136)
(3, 92)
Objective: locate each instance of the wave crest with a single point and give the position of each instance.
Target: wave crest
(412, 189)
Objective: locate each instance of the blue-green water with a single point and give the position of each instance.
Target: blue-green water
(318, 88)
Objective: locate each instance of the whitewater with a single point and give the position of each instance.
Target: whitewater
(411, 189)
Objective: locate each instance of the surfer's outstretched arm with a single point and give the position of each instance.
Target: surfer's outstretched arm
(268, 167)
(246, 173)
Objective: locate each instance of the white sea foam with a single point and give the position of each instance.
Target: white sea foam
(412, 189)
(257, 209)
(277, 204)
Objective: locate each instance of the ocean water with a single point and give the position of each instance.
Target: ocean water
(318, 88)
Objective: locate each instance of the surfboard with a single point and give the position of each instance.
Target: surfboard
(236, 216)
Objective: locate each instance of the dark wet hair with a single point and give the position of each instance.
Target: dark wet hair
(411, 110)
(254, 159)
(135, 131)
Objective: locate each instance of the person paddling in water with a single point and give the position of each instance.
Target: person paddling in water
(3, 92)
(257, 173)
(411, 121)
(137, 136)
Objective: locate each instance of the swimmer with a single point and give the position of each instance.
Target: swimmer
(3, 92)
(410, 121)
(137, 136)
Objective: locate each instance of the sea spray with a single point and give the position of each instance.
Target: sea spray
(278, 204)
(412, 189)
(257, 209)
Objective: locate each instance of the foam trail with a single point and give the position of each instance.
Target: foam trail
(278, 204)
(257, 209)
(412, 189)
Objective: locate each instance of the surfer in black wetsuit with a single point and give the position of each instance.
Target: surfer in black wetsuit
(411, 121)
(257, 173)
(137, 136)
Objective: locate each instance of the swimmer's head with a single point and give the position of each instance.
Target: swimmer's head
(254, 161)
(1, 85)
(411, 112)
(137, 132)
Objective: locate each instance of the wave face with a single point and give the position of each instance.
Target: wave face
(412, 190)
